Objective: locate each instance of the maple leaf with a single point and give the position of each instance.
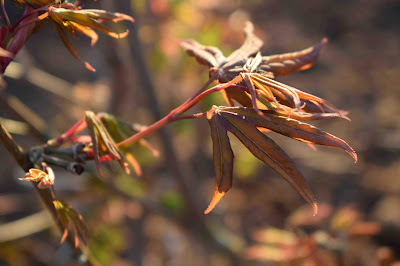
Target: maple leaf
(102, 142)
(119, 131)
(278, 96)
(105, 130)
(68, 216)
(258, 73)
(268, 105)
(229, 67)
(72, 19)
(244, 123)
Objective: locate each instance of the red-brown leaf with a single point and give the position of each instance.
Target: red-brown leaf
(222, 157)
(251, 46)
(285, 64)
(293, 129)
(267, 151)
(102, 141)
(199, 52)
(71, 48)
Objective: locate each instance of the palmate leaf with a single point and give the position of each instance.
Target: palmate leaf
(259, 145)
(244, 123)
(228, 68)
(259, 78)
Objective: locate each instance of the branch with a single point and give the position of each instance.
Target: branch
(14, 149)
(45, 194)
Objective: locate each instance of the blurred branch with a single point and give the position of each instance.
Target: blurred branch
(44, 80)
(15, 127)
(145, 79)
(26, 226)
(27, 114)
(120, 77)
(193, 218)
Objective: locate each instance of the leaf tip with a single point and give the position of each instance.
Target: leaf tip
(88, 66)
(214, 201)
(315, 208)
(354, 155)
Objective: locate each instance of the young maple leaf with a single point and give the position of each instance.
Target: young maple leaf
(105, 131)
(226, 68)
(70, 18)
(275, 95)
(244, 123)
(258, 73)
(68, 216)
(119, 131)
(102, 142)
(229, 67)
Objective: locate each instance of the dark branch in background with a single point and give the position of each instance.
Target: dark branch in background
(46, 195)
(193, 218)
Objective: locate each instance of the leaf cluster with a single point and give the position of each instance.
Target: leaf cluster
(264, 105)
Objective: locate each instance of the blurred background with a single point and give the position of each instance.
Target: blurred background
(157, 218)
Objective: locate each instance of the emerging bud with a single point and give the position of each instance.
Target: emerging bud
(45, 179)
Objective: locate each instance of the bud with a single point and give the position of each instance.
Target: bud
(45, 179)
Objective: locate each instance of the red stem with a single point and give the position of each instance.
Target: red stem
(202, 88)
(174, 114)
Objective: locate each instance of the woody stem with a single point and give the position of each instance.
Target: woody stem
(46, 195)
